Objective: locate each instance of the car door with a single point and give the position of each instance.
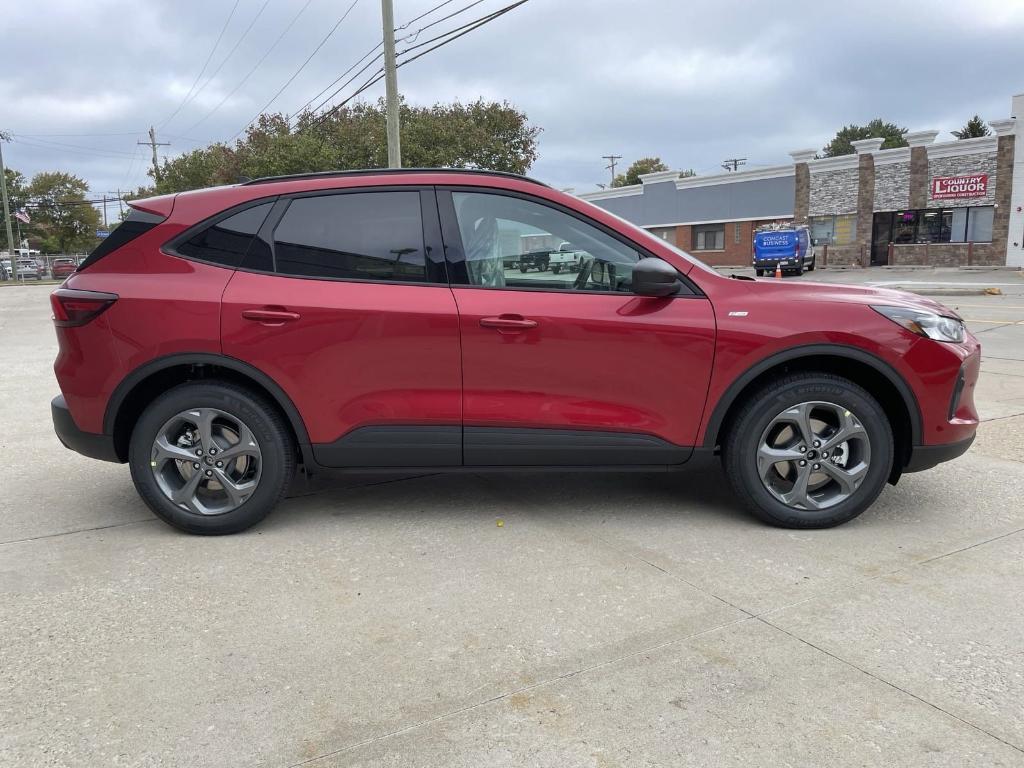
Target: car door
(573, 368)
(344, 303)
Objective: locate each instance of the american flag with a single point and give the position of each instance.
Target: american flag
(22, 216)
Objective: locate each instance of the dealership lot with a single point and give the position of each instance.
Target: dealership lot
(539, 619)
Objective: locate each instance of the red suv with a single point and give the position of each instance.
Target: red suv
(378, 320)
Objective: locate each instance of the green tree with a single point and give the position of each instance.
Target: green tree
(842, 144)
(974, 128)
(643, 166)
(62, 217)
(490, 135)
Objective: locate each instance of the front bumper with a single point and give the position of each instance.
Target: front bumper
(86, 443)
(925, 457)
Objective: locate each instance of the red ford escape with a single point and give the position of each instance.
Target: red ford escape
(378, 320)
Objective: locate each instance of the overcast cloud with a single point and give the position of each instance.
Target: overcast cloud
(692, 82)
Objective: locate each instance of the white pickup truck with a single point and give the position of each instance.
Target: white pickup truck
(566, 258)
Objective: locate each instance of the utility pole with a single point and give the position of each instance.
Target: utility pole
(7, 209)
(104, 210)
(120, 204)
(734, 163)
(612, 159)
(153, 143)
(391, 84)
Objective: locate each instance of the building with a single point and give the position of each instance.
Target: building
(935, 203)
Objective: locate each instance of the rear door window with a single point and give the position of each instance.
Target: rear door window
(227, 241)
(374, 236)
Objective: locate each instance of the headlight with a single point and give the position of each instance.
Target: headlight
(925, 323)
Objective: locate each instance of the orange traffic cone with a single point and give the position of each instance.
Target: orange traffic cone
(778, 272)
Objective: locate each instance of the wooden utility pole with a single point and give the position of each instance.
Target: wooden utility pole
(7, 209)
(612, 160)
(153, 143)
(391, 84)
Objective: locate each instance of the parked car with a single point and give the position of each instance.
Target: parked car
(62, 268)
(27, 269)
(217, 339)
(566, 259)
(788, 249)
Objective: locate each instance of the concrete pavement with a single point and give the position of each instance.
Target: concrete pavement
(610, 620)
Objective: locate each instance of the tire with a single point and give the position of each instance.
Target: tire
(556, 269)
(759, 272)
(266, 478)
(820, 392)
(799, 270)
(810, 267)
(523, 268)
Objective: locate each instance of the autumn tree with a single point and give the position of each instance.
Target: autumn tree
(491, 135)
(62, 217)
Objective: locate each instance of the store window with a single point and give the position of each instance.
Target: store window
(709, 237)
(665, 233)
(833, 230)
(943, 225)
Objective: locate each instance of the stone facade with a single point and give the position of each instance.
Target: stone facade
(918, 178)
(964, 165)
(892, 186)
(833, 192)
(801, 203)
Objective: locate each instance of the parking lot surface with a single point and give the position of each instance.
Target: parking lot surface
(507, 620)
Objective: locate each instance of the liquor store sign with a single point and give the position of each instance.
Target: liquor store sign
(949, 187)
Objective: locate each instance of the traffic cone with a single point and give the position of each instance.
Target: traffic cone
(778, 272)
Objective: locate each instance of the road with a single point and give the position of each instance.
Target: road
(490, 620)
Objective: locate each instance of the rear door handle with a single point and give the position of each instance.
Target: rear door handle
(268, 316)
(508, 323)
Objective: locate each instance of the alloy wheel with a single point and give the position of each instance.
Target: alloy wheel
(813, 455)
(206, 461)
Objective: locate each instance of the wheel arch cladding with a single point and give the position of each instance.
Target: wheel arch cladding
(138, 388)
(875, 375)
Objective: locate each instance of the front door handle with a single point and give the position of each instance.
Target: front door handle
(270, 316)
(508, 323)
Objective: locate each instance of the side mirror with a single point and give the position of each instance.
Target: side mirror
(654, 277)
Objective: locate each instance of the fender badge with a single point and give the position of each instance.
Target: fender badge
(738, 314)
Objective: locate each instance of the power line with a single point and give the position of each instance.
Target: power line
(205, 65)
(250, 73)
(69, 148)
(413, 36)
(465, 29)
(362, 58)
(224, 61)
(301, 67)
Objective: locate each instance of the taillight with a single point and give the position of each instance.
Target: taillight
(73, 308)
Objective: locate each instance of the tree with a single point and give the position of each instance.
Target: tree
(643, 166)
(973, 129)
(842, 144)
(62, 216)
(490, 135)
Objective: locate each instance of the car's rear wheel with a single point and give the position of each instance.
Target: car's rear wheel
(211, 457)
(809, 451)
(556, 269)
(759, 272)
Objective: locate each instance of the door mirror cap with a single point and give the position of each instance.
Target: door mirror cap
(654, 277)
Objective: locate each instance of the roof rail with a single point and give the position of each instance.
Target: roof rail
(385, 171)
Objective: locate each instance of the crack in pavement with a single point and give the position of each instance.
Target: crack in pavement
(78, 530)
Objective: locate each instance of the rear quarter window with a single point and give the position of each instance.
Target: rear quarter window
(228, 241)
(137, 223)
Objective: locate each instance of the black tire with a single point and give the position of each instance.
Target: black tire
(759, 272)
(523, 268)
(268, 428)
(811, 266)
(799, 270)
(744, 436)
(556, 269)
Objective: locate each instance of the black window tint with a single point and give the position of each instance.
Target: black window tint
(362, 236)
(138, 223)
(227, 241)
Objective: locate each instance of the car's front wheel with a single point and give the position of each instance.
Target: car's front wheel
(809, 450)
(211, 457)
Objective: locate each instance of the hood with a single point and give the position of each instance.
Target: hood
(846, 294)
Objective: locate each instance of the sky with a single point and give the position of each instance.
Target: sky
(691, 82)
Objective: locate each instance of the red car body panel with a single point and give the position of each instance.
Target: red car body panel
(609, 362)
(360, 354)
(371, 354)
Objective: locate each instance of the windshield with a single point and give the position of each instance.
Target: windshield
(643, 234)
